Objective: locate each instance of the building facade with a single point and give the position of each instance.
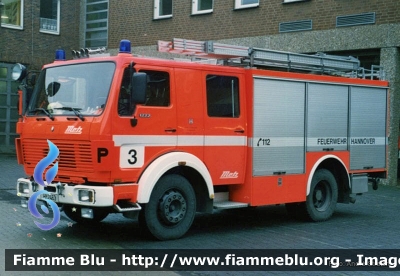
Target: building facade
(224, 19)
(366, 29)
(30, 33)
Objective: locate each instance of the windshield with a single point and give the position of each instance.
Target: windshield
(78, 89)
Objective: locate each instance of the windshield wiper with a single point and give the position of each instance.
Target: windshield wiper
(45, 112)
(75, 110)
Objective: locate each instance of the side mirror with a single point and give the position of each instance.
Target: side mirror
(138, 88)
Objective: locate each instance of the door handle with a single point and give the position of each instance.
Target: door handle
(170, 130)
(239, 130)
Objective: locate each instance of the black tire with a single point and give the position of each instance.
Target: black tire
(321, 201)
(171, 208)
(74, 213)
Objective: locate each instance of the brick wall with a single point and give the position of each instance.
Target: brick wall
(134, 19)
(33, 48)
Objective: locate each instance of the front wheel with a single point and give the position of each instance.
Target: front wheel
(322, 199)
(171, 208)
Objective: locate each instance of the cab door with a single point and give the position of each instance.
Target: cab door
(154, 132)
(225, 133)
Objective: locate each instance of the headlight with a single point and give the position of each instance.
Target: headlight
(86, 195)
(87, 213)
(23, 188)
(24, 203)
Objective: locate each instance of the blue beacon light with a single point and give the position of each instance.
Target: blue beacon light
(125, 46)
(60, 54)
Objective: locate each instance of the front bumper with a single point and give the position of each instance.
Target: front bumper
(62, 193)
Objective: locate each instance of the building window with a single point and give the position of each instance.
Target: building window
(290, 1)
(295, 26)
(12, 14)
(162, 9)
(222, 96)
(242, 4)
(96, 32)
(355, 19)
(202, 6)
(50, 16)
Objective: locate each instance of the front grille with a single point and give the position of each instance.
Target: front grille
(74, 155)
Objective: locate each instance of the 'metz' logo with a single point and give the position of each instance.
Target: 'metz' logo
(73, 130)
(228, 174)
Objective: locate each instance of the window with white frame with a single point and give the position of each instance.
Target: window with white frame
(50, 16)
(96, 25)
(12, 14)
(289, 1)
(241, 4)
(202, 6)
(162, 9)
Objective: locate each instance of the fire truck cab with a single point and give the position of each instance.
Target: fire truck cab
(160, 140)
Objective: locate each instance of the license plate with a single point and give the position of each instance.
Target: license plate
(53, 197)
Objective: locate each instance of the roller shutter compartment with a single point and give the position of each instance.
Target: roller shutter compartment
(278, 139)
(368, 109)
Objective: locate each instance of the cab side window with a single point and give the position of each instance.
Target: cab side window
(158, 88)
(157, 94)
(124, 106)
(222, 96)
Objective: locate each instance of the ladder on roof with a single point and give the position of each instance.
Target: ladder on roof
(238, 55)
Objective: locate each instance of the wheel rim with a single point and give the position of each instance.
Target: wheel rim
(172, 207)
(322, 196)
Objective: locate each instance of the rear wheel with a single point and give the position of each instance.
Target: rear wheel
(171, 208)
(322, 199)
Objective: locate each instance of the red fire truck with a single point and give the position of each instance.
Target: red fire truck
(162, 139)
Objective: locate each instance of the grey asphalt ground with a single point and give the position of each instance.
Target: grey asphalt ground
(371, 223)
